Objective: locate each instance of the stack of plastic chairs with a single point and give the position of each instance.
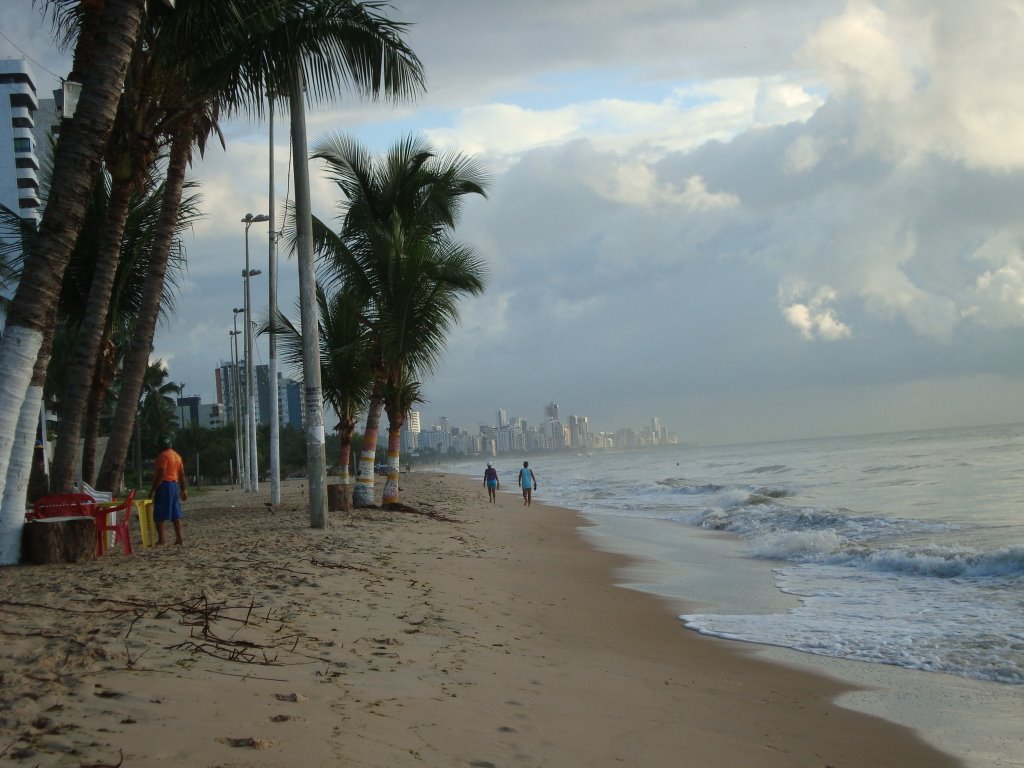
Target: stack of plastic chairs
(97, 495)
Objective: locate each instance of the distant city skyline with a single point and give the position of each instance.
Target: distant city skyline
(511, 433)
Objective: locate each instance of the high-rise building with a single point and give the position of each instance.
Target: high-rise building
(411, 431)
(263, 395)
(211, 416)
(551, 411)
(290, 402)
(19, 163)
(188, 410)
(502, 418)
(224, 376)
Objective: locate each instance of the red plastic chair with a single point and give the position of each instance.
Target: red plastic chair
(62, 505)
(122, 511)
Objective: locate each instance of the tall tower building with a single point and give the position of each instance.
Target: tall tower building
(19, 163)
(502, 418)
(411, 431)
(413, 421)
(551, 411)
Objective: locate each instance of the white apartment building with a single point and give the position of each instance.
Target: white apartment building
(19, 163)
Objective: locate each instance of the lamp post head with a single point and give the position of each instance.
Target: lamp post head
(254, 272)
(251, 219)
(233, 333)
(238, 311)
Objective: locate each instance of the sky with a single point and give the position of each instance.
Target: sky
(752, 219)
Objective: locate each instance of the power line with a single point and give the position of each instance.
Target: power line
(22, 52)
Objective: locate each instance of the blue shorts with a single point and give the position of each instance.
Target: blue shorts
(167, 502)
(492, 483)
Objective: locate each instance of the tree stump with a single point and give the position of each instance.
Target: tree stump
(59, 540)
(339, 497)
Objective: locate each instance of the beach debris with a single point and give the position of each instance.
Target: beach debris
(345, 566)
(294, 698)
(118, 764)
(246, 741)
(405, 508)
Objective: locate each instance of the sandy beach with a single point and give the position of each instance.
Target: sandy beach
(458, 634)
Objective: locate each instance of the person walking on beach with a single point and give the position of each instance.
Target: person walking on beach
(528, 482)
(168, 490)
(491, 481)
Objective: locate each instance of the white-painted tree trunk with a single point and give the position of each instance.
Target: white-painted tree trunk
(20, 468)
(18, 351)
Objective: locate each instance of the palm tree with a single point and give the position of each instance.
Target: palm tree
(157, 409)
(337, 42)
(344, 363)
(93, 374)
(132, 151)
(394, 251)
(79, 153)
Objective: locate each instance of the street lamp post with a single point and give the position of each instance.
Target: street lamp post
(254, 484)
(235, 395)
(181, 405)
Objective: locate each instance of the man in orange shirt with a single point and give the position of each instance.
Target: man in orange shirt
(168, 490)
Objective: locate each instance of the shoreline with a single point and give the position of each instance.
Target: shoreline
(973, 720)
(478, 635)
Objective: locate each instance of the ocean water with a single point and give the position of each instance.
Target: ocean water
(898, 549)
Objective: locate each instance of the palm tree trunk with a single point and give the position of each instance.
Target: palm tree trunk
(94, 409)
(86, 359)
(362, 494)
(346, 457)
(137, 359)
(19, 471)
(391, 492)
(348, 428)
(76, 167)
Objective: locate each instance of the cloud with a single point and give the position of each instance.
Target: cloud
(939, 78)
(996, 300)
(815, 319)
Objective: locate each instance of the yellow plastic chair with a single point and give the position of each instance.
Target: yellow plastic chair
(147, 528)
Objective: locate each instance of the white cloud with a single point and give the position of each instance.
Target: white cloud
(636, 183)
(814, 318)
(930, 77)
(996, 300)
(688, 117)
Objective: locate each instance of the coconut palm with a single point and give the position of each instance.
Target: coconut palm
(394, 251)
(337, 42)
(32, 314)
(157, 409)
(90, 378)
(132, 151)
(344, 365)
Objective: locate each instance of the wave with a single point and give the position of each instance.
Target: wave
(838, 537)
(772, 468)
(941, 562)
